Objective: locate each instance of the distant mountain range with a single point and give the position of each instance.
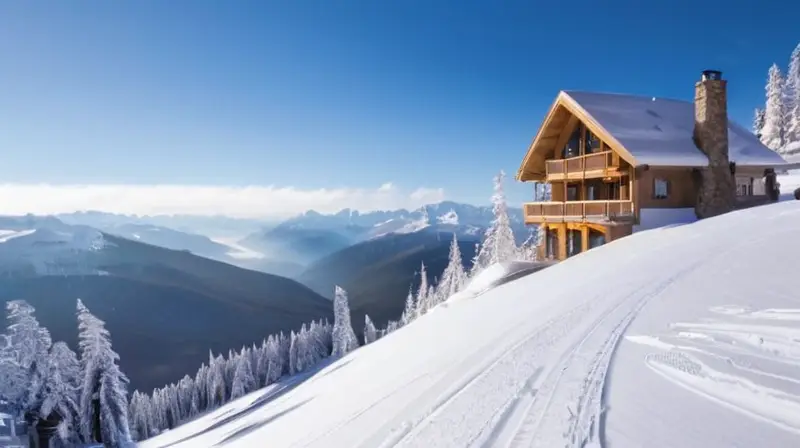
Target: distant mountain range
(288, 248)
(165, 308)
(311, 236)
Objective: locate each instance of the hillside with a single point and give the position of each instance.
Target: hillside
(703, 317)
(165, 309)
(377, 273)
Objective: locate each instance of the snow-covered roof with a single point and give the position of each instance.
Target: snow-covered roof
(659, 131)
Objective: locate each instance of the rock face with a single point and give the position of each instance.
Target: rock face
(717, 192)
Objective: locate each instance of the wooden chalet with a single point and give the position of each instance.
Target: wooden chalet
(616, 164)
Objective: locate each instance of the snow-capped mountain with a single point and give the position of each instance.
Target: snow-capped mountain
(451, 216)
(313, 235)
(46, 246)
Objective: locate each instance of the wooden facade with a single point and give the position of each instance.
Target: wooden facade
(597, 188)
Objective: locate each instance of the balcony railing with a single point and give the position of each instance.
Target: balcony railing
(553, 211)
(599, 163)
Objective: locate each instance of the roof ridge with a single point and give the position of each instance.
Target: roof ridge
(630, 95)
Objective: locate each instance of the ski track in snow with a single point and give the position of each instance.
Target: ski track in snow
(554, 364)
(739, 332)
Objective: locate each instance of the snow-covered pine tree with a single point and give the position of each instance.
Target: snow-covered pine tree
(410, 309)
(423, 298)
(292, 353)
(60, 393)
(284, 343)
(215, 381)
(792, 98)
(498, 244)
(369, 330)
(274, 360)
(773, 132)
(758, 121)
(243, 380)
(103, 401)
(344, 338)
(454, 276)
(29, 349)
(303, 350)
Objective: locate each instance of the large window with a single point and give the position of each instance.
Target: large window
(660, 188)
(573, 148)
(592, 142)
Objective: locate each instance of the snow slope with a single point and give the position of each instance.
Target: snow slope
(687, 336)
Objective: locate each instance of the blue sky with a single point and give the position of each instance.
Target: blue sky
(344, 96)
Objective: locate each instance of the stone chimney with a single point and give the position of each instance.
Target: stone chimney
(717, 188)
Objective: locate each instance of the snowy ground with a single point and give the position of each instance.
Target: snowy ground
(681, 337)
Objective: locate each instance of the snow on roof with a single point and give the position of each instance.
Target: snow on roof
(658, 131)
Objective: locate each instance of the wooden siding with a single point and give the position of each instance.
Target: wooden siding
(682, 191)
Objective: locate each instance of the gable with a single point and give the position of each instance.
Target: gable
(558, 125)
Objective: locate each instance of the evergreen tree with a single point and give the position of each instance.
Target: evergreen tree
(772, 134)
(344, 338)
(103, 401)
(792, 98)
(28, 359)
(369, 330)
(758, 121)
(243, 380)
(423, 298)
(454, 276)
(410, 309)
(274, 360)
(60, 393)
(292, 353)
(498, 244)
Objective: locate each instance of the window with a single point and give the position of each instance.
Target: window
(592, 142)
(744, 186)
(572, 148)
(660, 188)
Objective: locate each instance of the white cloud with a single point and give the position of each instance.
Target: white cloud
(241, 202)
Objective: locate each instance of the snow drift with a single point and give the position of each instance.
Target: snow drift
(687, 336)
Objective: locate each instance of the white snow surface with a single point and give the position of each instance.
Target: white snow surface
(450, 217)
(659, 131)
(687, 336)
(651, 218)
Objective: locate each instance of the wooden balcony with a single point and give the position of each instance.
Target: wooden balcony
(578, 211)
(599, 164)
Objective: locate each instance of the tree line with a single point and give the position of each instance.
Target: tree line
(778, 123)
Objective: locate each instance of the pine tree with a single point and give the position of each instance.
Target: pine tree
(369, 330)
(792, 98)
(454, 276)
(410, 309)
(59, 393)
(292, 353)
(29, 346)
(758, 121)
(498, 244)
(103, 401)
(243, 380)
(423, 298)
(344, 338)
(773, 132)
(274, 360)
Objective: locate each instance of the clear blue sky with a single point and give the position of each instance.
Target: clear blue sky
(307, 94)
